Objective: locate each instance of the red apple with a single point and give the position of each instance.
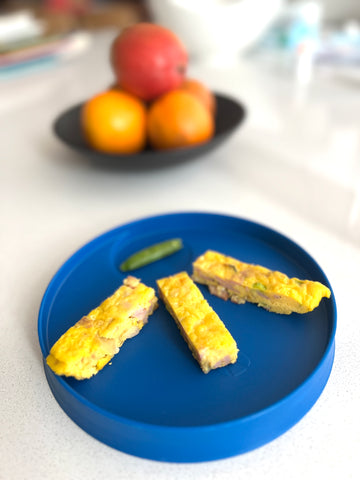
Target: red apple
(148, 60)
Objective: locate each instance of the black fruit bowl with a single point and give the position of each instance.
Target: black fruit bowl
(230, 114)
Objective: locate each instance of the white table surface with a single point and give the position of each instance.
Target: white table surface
(294, 166)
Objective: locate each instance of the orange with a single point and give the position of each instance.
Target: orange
(114, 122)
(202, 92)
(178, 119)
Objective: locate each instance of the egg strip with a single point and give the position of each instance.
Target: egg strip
(206, 335)
(92, 342)
(241, 282)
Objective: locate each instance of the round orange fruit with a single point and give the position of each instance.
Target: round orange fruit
(178, 119)
(202, 92)
(114, 122)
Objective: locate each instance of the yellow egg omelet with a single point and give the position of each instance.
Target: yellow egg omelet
(241, 282)
(206, 335)
(92, 342)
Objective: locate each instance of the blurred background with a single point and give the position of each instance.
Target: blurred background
(214, 31)
(302, 113)
(60, 15)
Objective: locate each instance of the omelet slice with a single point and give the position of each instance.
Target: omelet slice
(241, 282)
(92, 342)
(206, 335)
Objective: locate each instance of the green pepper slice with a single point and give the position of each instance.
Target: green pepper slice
(259, 286)
(151, 254)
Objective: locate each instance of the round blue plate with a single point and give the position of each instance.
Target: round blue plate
(153, 401)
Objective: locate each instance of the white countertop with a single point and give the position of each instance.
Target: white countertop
(294, 166)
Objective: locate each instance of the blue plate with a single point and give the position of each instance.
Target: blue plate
(153, 401)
